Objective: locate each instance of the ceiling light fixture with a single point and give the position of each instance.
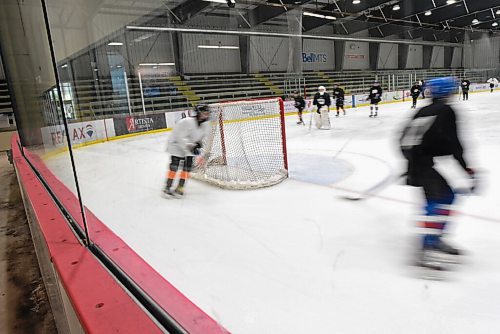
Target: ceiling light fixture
(396, 7)
(450, 2)
(64, 66)
(313, 14)
(230, 3)
(156, 64)
(143, 37)
(497, 12)
(427, 13)
(355, 2)
(115, 43)
(228, 47)
(494, 24)
(475, 21)
(321, 16)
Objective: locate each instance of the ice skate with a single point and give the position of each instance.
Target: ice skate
(433, 262)
(300, 122)
(446, 248)
(179, 192)
(429, 265)
(429, 259)
(168, 192)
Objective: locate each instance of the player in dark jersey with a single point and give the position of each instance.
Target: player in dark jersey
(415, 93)
(322, 101)
(300, 104)
(465, 84)
(338, 95)
(375, 96)
(431, 133)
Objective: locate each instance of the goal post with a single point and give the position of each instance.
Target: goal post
(246, 147)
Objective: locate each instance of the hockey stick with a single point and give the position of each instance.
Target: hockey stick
(372, 191)
(311, 120)
(342, 148)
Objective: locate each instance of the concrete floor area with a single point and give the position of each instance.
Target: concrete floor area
(24, 307)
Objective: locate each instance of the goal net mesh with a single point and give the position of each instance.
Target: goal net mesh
(246, 147)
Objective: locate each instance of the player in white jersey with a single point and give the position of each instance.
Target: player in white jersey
(184, 143)
(493, 82)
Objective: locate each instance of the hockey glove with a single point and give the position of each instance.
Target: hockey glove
(196, 150)
(193, 148)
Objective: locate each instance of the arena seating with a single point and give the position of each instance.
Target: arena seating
(94, 99)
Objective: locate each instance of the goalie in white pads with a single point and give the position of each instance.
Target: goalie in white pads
(323, 102)
(184, 143)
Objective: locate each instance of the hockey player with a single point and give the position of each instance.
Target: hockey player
(338, 95)
(492, 82)
(415, 93)
(300, 104)
(422, 88)
(184, 143)
(431, 133)
(465, 89)
(323, 102)
(375, 97)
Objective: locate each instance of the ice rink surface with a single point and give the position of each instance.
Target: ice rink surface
(298, 257)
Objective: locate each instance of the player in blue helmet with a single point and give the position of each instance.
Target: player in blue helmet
(442, 87)
(432, 132)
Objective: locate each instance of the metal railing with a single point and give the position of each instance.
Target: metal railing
(156, 94)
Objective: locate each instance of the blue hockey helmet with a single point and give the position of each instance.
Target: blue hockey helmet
(442, 87)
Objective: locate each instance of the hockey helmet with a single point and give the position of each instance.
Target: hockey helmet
(442, 87)
(322, 88)
(202, 113)
(202, 108)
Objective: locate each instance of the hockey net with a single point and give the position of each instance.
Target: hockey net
(246, 148)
